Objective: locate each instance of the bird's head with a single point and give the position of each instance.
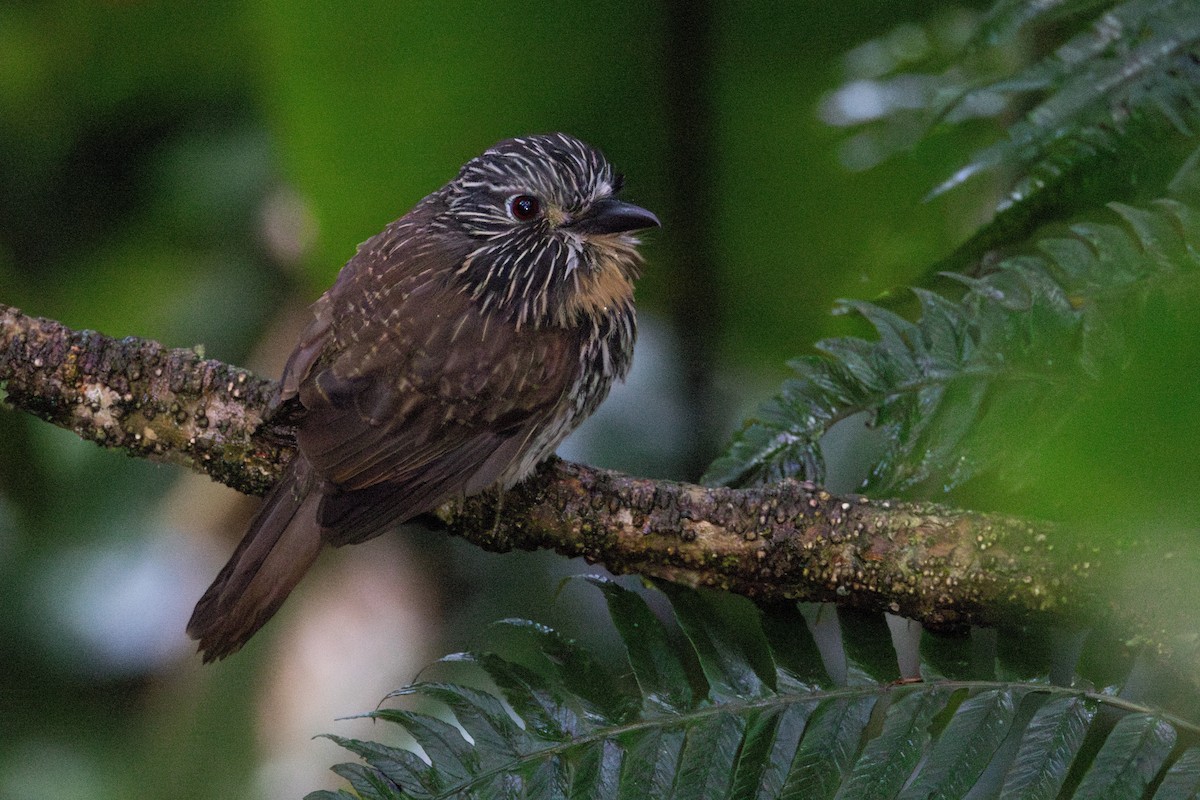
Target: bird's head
(550, 240)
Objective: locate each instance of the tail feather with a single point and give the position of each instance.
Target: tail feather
(282, 542)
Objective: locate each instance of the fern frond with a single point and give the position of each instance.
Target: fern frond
(1136, 57)
(1106, 109)
(753, 732)
(1023, 343)
(1008, 18)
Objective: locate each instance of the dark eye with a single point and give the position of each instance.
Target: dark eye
(524, 207)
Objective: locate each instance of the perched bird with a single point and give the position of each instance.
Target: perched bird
(454, 352)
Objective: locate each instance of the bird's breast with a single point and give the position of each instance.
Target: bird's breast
(605, 350)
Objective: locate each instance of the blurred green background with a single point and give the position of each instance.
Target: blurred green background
(197, 173)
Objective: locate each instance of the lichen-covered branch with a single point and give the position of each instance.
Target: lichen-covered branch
(941, 566)
(169, 405)
(789, 541)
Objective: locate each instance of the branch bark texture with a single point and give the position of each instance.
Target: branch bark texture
(790, 541)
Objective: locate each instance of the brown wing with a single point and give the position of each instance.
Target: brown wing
(411, 395)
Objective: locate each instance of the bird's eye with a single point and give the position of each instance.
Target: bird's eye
(524, 207)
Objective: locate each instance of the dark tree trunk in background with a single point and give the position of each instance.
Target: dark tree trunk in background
(695, 296)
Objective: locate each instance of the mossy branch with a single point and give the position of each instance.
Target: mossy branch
(944, 567)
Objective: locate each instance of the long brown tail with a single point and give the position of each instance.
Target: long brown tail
(281, 544)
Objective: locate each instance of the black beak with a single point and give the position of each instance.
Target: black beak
(613, 216)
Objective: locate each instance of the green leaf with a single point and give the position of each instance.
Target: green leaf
(401, 767)
(706, 763)
(965, 746)
(496, 736)
(544, 778)
(651, 761)
(541, 707)
(1129, 759)
(726, 634)
(367, 783)
(769, 733)
(766, 449)
(1047, 749)
(660, 669)
(597, 769)
(1182, 781)
(595, 688)
(795, 653)
(829, 746)
(888, 760)
(454, 756)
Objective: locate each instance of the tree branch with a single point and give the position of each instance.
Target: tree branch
(941, 566)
